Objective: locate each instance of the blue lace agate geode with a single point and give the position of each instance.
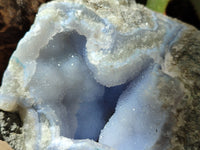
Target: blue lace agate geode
(97, 70)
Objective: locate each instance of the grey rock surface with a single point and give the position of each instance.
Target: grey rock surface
(11, 129)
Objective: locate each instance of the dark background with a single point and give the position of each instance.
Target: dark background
(182, 10)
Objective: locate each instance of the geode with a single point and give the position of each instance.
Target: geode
(103, 74)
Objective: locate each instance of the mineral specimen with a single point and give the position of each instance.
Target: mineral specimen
(100, 74)
(15, 19)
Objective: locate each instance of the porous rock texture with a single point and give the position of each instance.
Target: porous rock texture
(10, 129)
(185, 61)
(109, 71)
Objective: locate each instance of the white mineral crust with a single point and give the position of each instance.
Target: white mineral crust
(80, 59)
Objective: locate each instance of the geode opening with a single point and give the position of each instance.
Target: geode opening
(84, 106)
(95, 72)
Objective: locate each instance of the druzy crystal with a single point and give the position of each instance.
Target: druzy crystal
(96, 75)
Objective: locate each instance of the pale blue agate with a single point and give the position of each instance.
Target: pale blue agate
(87, 78)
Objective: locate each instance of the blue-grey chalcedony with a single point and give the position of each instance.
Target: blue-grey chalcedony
(110, 71)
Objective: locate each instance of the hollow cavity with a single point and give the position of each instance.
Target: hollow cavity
(63, 83)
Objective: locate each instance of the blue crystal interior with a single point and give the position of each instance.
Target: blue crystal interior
(85, 75)
(66, 92)
(89, 126)
(81, 115)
